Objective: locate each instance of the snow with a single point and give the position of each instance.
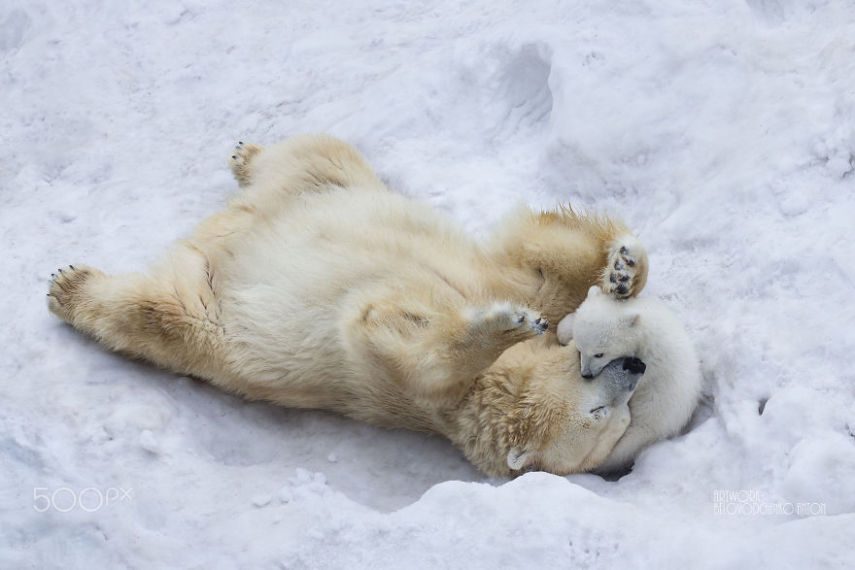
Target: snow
(723, 132)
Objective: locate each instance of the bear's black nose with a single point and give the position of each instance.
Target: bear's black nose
(634, 365)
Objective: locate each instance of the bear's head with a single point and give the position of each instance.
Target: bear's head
(566, 425)
(604, 329)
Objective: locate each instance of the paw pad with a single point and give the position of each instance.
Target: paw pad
(622, 268)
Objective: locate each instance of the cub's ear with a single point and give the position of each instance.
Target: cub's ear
(519, 460)
(630, 320)
(594, 291)
(565, 329)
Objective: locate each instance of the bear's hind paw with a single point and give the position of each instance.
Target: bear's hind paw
(241, 160)
(65, 289)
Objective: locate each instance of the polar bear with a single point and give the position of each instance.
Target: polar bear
(317, 287)
(604, 328)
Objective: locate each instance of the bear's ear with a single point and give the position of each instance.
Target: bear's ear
(630, 320)
(594, 291)
(565, 329)
(519, 460)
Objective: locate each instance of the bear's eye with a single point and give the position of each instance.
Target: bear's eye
(598, 355)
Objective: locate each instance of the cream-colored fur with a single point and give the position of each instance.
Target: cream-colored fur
(316, 287)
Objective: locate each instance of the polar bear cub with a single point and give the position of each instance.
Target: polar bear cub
(604, 328)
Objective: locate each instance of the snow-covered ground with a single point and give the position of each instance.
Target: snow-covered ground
(723, 132)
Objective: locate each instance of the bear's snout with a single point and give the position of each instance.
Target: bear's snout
(634, 365)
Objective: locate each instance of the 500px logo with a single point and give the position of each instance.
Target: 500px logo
(90, 499)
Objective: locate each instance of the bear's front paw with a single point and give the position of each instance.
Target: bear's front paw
(626, 271)
(505, 317)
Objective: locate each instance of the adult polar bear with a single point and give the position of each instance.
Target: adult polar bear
(317, 287)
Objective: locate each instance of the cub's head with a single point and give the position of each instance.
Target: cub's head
(603, 328)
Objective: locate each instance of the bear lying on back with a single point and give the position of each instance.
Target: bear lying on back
(317, 287)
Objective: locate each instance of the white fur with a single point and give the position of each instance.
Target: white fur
(645, 328)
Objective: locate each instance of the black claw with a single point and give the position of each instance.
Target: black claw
(613, 278)
(624, 279)
(240, 143)
(72, 267)
(622, 289)
(53, 275)
(630, 262)
(618, 265)
(60, 270)
(623, 249)
(234, 157)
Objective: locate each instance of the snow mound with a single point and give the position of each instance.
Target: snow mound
(724, 133)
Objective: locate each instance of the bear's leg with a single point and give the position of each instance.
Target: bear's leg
(439, 356)
(562, 254)
(169, 322)
(307, 163)
(496, 327)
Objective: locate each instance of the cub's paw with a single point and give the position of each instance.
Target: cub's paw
(626, 270)
(506, 317)
(241, 160)
(66, 289)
